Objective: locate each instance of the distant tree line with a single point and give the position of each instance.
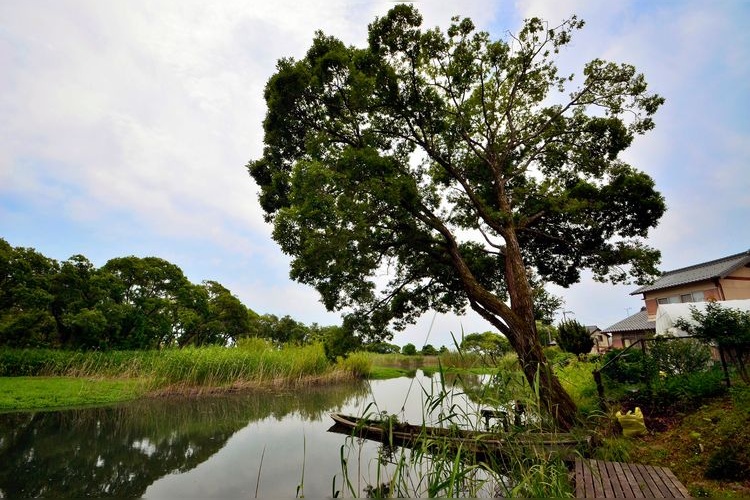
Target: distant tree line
(129, 303)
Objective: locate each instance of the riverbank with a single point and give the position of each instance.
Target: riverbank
(35, 379)
(34, 393)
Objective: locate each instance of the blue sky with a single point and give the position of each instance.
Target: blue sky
(125, 127)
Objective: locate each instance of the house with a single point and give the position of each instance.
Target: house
(727, 278)
(602, 341)
(722, 279)
(628, 331)
(668, 314)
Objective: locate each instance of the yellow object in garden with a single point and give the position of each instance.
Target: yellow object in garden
(631, 423)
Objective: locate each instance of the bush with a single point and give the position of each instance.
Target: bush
(674, 355)
(633, 367)
(731, 460)
(573, 337)
(558, 357)
(688, 390)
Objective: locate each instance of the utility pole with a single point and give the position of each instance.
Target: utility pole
(565, 318)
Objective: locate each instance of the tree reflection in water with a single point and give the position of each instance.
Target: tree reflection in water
(121, 450)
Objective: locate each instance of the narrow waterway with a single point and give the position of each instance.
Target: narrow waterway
(269, 444)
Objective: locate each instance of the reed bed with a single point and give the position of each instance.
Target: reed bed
(251, 363)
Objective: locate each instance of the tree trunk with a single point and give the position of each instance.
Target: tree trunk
(533, 361)
(520, 329)
(517, 324)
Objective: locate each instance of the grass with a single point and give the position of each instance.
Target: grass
(25, 393)
(712, 439)
(111, 376)
(706, 444)
(577, 379)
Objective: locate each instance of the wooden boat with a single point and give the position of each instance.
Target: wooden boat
(486, 446)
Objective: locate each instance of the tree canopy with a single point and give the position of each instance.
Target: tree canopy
(487, 343)
(435, 170)
(129, 303)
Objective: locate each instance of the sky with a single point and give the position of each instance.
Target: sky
(125, 128)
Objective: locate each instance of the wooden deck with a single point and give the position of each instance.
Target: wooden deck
(600, 479)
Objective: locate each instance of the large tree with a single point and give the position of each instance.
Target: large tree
(435, 170)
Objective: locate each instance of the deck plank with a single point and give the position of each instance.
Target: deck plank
(602, 479)
(635, 488)
(614, 480)
(623, 481)
(579, 479)
(676, 483)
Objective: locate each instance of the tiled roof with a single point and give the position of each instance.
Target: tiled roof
(708, 270)
(635, 323)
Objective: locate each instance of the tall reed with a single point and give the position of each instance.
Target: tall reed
(441, 466)
(250, 362)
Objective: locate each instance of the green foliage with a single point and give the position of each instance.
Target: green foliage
(578, 380)
(557, 357)
(574, 338)
(685, 391)
(252, 361)
(632, 367)
(343, 124)
(429, 350)
(731, 458)
(129, 303)
(409, 350)
(728, 327)
(485, 344)
(339, 341)
(673, 355)
(358, 364)
(617, 449)
(397, 153)
(382, 348)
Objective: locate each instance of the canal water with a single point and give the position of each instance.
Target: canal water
(267, 444)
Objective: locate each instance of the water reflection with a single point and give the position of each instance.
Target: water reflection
(263, 444)
(120, 451)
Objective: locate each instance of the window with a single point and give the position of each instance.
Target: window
(685, 297)
(674, 299)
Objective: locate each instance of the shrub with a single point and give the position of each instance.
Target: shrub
(731, 460)
(558, 357)
(633, 367)
(674, 355)
(688, 390)
(573, 337)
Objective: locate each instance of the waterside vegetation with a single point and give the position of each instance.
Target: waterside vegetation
(81, 378)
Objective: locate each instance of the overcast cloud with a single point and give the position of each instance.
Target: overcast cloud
(126, 127)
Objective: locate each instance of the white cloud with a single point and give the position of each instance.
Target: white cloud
(132, 121)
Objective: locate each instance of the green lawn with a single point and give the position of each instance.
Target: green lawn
(32, 393)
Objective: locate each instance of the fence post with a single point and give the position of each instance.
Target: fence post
(600, 388)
